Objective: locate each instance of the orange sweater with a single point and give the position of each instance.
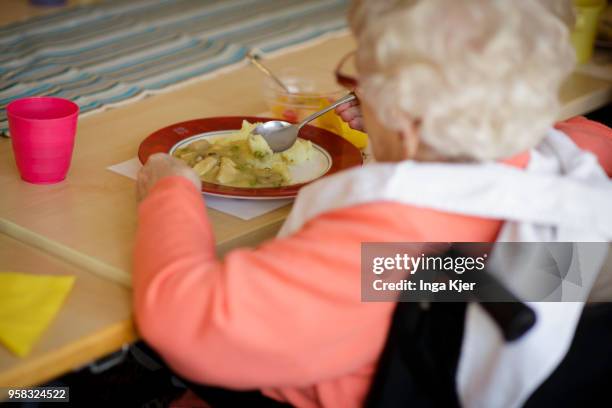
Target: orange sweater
(285, 317)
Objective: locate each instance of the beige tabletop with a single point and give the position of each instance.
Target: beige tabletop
(89, 220)
(94, 211)
(94, 320)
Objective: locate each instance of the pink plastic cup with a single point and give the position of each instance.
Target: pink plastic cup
(42, 132)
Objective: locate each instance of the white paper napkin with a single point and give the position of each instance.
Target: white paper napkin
(243, 209)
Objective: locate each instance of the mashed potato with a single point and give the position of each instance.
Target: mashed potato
(242, 159)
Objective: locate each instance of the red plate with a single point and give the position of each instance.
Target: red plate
(343, 154)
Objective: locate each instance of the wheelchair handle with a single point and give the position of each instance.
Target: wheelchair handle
(513, 317)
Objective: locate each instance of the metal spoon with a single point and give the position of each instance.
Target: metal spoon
(253, 58)
(281, 135)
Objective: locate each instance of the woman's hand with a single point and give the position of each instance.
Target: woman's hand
(162, 165)
(350, 112)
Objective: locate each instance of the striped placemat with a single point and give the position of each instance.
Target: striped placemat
(122, 50)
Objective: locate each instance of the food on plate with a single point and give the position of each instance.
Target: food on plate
(242, 159)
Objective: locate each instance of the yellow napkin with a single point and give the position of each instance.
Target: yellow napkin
(28, 304)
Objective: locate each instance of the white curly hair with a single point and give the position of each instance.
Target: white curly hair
(482, 76)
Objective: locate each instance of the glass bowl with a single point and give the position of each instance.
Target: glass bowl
(311, 90)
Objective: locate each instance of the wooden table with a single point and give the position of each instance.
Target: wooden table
(94, 321)
(583, 93)
(89, 220)
(94, 211)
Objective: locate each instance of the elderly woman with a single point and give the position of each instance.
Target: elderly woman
(454, 94)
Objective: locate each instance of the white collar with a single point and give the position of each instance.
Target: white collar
(563, 187)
